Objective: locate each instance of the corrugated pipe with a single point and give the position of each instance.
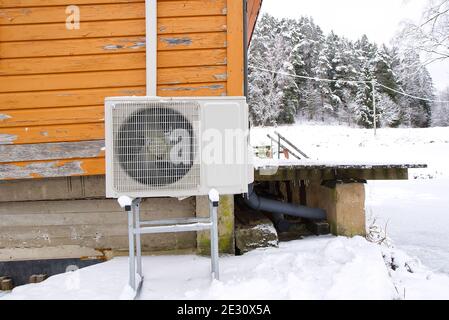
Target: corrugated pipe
(257, 202)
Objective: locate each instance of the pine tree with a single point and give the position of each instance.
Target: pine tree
(300, 48)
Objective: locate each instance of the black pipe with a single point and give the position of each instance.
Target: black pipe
(256, 202)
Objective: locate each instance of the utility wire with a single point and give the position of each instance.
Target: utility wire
(409, 95)
(347, 81)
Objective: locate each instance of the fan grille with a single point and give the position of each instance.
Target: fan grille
(156, 146)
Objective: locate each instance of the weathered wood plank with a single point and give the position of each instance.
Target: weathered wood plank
(44, 48)
(90, 12)
(85, 63)
(106, 11)
(52, 151)
(126, 61)
(210, 40)
(69, 98)
(115, 28)
(52, 169)
(191, 24)
(40, 3)
(71, 115)
(64, 98)
(103, 79)
(52, 133)
(187, 75)
(59, 31)
(87, 80)
(321, 174)
(202, 89)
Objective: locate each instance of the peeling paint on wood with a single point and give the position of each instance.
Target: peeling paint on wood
(138, 45)
(112, 47)
(210, 87)
(177, 41)
(7, 138)
(52, 151)
(40, 170)
(134, 45)
(221, 77)
(4, 117)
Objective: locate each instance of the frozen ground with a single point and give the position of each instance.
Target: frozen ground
(415, 211)
(316, 268)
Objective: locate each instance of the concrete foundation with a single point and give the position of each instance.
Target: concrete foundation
(344, 204)
(225, 225)
(64, 225)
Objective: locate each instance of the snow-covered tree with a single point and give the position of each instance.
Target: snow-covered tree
(294, 53)
(269, 50)
(440, 113)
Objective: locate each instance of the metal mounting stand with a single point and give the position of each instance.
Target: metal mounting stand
(137, 227)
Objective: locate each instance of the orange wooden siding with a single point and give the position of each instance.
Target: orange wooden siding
(253, 9)
(53, 81)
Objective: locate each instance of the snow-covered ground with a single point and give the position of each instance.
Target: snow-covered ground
(314, 268)
(415, 267)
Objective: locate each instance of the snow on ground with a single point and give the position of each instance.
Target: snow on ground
(315, 268)
(416, 267)
(417, 217)
(417, 211)
(345, 145)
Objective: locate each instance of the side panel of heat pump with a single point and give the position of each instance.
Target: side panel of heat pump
(225, 146)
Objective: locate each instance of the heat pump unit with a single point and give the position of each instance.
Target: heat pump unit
(176, 147)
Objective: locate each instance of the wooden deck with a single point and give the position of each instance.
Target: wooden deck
(273, 170)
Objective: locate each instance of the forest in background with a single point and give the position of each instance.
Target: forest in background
(300, 47)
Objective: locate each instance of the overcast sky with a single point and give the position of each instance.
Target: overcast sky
(379, 20)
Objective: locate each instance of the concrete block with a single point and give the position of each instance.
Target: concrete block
(344, 204)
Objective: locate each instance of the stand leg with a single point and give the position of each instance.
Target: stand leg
(214, 241)
(132, 262)
(138, 243)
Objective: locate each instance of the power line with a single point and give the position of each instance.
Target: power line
(409, 95)
(305, 77)
(347, 81)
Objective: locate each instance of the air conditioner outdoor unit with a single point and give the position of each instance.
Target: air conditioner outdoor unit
(176, 147)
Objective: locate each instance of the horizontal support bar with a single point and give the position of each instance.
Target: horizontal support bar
(175, 221)
(174, 228)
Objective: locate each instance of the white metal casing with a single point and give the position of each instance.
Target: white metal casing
(221, 115)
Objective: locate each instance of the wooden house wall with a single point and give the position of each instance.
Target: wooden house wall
(53, 81)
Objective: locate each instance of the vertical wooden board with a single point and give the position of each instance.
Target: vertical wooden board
(235, 48)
